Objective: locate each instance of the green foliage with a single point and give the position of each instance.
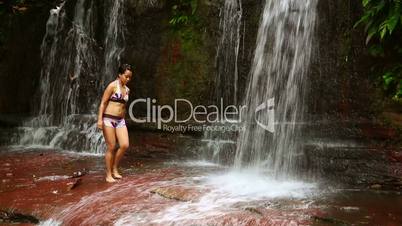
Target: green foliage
(392, 81)
(381, 18)
(383, 26)
(183, 13)
(190, 67)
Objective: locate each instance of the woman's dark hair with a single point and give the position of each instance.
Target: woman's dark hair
(124, 67)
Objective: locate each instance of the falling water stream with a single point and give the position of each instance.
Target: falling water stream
(114, 41)
(277, 84)
(268, 149)
(275, 91)
(226, 83)
(72, 78)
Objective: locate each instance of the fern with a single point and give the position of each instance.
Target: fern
(382, 21)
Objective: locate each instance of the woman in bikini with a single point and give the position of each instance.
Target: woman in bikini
(111, 120)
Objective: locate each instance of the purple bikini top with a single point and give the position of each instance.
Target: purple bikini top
(117, 95)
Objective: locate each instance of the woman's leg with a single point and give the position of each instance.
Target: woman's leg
(122, 137)
(110, 138)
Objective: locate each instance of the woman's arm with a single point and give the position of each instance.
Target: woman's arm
(105, 99)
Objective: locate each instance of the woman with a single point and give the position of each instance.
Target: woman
(111, 120)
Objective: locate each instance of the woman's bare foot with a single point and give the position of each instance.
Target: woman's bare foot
(116, 174)
(110, 179)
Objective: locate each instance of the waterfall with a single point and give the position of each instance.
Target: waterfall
(114, 41)
(277, 80)
(64, 54)
(226, 88)
(71, 82)
(228, 52)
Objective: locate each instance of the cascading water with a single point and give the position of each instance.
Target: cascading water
(114, 41)
(71, 83)
(279, 69)
(64, 55)
(226, 88)
(228, 52)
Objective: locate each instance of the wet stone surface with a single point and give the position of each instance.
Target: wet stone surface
(61, 188)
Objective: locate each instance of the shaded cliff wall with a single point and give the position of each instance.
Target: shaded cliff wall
(340, 83)
(181, 64)
(168, 63)
(21, 33)
(345, 99)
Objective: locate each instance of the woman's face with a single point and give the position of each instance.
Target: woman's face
(125, 77)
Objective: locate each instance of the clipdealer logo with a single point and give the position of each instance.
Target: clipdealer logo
(163, 114)
(267, 106)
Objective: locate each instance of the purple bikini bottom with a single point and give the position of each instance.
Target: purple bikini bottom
(113, 121)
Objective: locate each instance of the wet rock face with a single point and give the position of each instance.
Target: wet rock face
(142, 6)
(171, 63)
(152, 189)
(180, 63)
(340, 82)
(167, 63)
(21, 36)
(169, 66)
(178, 193)
(373, 168)
(15, 218)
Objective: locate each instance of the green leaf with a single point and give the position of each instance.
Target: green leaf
(194, 5)
(376, 50)
(388, 78)
(380, 6)
(398, 93)
(366, 2)
(383, 31)
(363, 19)
(180, 19)
(368, 25)
(173, 21)
(370, 34)
(392, 22)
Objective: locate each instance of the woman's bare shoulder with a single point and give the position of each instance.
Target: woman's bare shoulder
(111, 85)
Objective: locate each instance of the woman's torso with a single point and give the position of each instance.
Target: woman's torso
(120, 93)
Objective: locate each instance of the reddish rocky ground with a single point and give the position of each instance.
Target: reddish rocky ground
(57, 187)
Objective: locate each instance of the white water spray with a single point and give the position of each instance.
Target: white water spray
(279, 70)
